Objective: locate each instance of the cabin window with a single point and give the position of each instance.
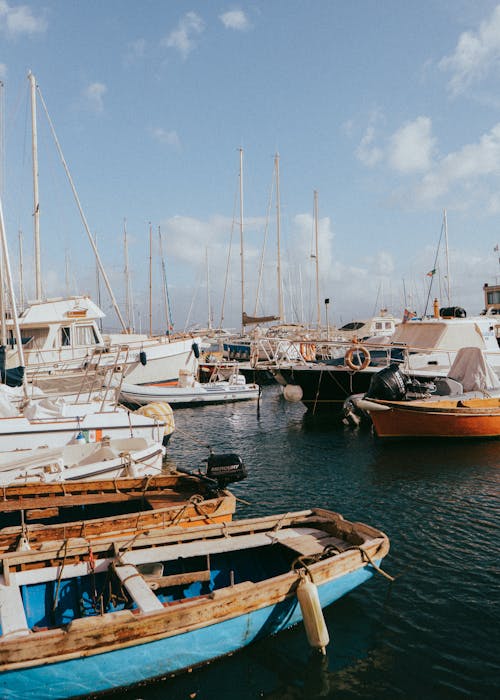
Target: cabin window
(493, 297)
(388, 324)
(85, 335)
(65, 336)
(378, 326)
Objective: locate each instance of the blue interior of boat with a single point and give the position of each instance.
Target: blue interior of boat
(54, 603)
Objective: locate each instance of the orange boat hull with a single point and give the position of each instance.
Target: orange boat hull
(401, 421)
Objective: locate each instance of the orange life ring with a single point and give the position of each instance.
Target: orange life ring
(308, 351)
(348, 359)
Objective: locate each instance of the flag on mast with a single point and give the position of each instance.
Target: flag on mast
(431, 273)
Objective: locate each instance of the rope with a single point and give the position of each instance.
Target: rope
(364, 553)
(59, 577)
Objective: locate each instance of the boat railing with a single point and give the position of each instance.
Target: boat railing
(269, 353)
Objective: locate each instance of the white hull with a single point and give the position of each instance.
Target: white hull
(19, 433)
(212, 392)
(135, 457)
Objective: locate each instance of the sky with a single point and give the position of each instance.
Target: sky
(389, 111)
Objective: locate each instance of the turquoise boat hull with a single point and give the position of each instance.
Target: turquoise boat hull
(92, 674)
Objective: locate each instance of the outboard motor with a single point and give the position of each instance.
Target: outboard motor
(389, 384)
(225, 468)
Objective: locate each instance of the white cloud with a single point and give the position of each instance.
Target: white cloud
(93, 95)
(476, 55)
(181, 38)
(366, 152)
(463, 167)
(411, 147)
(168, 138)
(20, 19)
(235, 19)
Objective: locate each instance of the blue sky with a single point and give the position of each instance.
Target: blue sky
(389, 110)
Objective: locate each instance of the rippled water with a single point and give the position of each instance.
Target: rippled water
(431, 634)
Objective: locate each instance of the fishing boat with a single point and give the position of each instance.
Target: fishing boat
(425, 349)
(79, 617)
(190, 392)
(33, 514)
(437, 418)
(82, 460)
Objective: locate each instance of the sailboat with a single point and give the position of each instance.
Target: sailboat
(63, 333)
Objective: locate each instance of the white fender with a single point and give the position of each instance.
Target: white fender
(314, 621)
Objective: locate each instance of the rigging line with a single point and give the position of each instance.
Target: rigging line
(262, 255)
(228, 261)
(434, 268)
(168, 308)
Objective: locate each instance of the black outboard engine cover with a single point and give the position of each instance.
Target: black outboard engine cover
(226, 468)
(389, 384)
(452, 312)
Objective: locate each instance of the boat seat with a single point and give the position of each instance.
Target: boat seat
(309, 545)
(12, 613)
(138, 588)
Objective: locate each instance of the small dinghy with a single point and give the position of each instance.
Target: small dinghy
(190, 392)
(33, 514)
(79, 617)
(133, 456)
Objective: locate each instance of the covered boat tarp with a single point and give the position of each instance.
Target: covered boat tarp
(14, 375)
(472, 370)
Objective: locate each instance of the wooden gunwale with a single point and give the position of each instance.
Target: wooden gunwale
(113, 631)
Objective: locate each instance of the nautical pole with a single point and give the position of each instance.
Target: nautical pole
(83, 218)
(241, 243)
(316, 256)
(10, 285)
(278, 235)
(150, 280)
(209, 305)
(448, 283)
(36, 201)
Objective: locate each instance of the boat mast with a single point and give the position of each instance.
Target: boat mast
(278, 235)
(318, 307)
(36, 201)
(82, 216)
(21, 270)
(150, 279)
(448, 282)
(241, 243)
(209, 305)
(126, 272)
(10, 285)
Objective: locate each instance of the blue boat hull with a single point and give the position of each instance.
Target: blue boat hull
(127, 666)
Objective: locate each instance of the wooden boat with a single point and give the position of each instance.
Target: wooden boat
(108, 458)
(191, 393)
(80, 617)
(33, 514)
(440, 417)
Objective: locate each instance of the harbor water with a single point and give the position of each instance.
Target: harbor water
(433, 633)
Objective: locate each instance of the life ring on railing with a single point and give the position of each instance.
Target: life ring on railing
(359, 350)
(308, 351)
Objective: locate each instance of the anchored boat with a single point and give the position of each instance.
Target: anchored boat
(79, 617)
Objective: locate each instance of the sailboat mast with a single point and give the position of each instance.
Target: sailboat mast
(10, 285)
(36, 201)
(150, 279)
(241, 243)
(126, 272)
(318, 307)
(82, 216)
(209, 306)
(278, 235)
(448, 282)
(21, 270)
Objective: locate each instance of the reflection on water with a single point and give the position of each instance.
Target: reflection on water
(430, 634)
